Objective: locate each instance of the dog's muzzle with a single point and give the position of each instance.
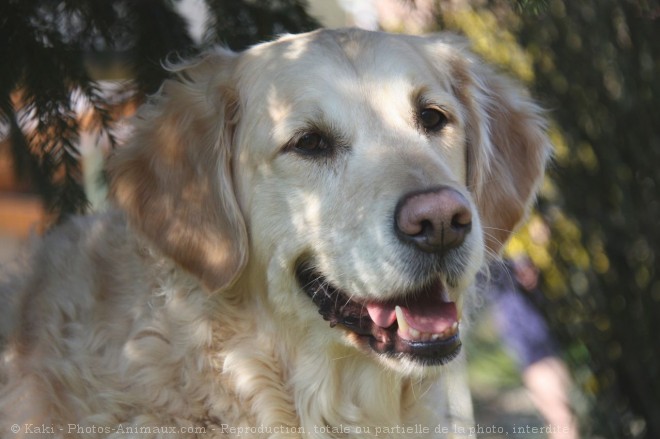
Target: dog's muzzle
(421, 324)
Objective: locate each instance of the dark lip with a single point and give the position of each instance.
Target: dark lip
(339, 309)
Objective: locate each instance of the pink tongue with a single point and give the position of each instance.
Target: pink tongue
(430, 315)
(382, 314)
(432, 319)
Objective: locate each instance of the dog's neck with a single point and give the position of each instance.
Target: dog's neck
(316, 384)
(363, 396)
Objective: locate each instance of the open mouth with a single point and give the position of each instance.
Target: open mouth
(421, 326)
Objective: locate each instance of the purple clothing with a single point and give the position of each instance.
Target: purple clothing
(522, 327)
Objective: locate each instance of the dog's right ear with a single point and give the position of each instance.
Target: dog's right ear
(174, 177)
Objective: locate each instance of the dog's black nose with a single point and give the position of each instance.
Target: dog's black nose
(435, 220)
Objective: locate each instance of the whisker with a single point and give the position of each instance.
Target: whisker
(498, 229)
(491, 236)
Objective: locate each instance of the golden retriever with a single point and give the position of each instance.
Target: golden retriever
(296, 229)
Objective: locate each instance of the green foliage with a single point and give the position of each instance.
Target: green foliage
(595, 66)
(598, 65)
(53, 49)
(491, 367)
(247, 22)
(534, 7)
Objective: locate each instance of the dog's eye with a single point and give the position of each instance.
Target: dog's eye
(311, 143)
(432, 119)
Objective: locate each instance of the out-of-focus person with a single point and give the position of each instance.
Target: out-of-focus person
(513, 288)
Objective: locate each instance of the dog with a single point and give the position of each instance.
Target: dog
(296, 230)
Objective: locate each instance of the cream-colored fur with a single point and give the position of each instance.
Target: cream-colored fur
(179, 309)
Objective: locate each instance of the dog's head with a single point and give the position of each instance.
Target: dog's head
(367, 175)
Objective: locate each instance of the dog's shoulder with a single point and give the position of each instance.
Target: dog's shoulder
(70, 272)
(95, 305)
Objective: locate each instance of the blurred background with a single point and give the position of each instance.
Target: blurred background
(72, 71)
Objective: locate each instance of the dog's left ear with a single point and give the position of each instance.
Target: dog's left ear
(507, 143)
(174, 177)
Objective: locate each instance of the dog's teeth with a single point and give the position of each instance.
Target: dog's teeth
(444, 294)
(404, 328)
(401, 320)
(459, 307)
(451, 331)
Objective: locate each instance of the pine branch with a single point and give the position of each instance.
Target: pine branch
(49, 45)
(242, 23)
